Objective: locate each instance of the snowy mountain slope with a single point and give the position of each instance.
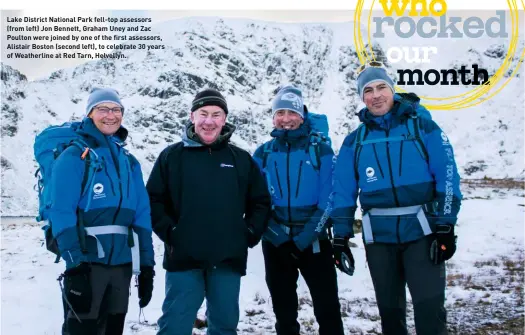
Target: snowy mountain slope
(246, 60)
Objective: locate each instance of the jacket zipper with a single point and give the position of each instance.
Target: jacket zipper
(278, 180)
(401, 158)
(377, 161)
(119, 203)
(129, 174)
(107, 174)
(288, 182)
(392, 183)
(299, 179)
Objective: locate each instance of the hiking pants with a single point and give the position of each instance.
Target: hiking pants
(185, 291)
(110, 286)
(392, 267)
(318, 270)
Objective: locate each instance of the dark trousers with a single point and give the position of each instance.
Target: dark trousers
(64, 325)
(282, 272)
(392, 267)
(110, 289)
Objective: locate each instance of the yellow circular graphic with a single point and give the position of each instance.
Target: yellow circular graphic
(469, 98)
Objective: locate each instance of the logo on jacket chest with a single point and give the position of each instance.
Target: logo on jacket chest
(370, 175)
(224, 165)
(98, 191)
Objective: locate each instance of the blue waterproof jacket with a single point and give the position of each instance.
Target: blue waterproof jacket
(300, 194)
(119, 197)
(396, 174)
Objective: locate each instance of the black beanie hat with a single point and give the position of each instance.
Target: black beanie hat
(209, 97)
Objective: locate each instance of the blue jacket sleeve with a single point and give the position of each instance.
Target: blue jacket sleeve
(142, 220)
(319, 220)
(345, 190)
(273, 233)
(443, 167)
(66, 183)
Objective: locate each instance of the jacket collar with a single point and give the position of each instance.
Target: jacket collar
(296, 136)
(89, 130)
(405, 105)
(191, 139)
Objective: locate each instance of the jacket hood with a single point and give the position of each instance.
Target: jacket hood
(89, 130)
(191, 139)
(405, 105)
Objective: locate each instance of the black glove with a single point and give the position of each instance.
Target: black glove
(290, 248)
(145, 285)
(77, 288)
(343, 258)
(444, 245)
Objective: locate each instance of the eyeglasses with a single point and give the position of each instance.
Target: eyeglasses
(369, 64)
(106, 110)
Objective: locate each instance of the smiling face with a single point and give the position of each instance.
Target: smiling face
(107, 117)
(286, 119)
(378, 98)
(208, 121)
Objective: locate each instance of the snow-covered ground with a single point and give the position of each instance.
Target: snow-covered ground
(485, 278)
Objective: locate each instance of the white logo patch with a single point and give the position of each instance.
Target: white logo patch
(294, 98)
(445, 139)
(370, 173)
(98, 190)
(226, 165)
(444, 136)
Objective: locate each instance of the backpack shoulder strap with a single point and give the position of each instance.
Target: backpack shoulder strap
(413, 129)
(359, 139)
(92, 164)
(89, 157)
(314, 150)
(268, 148)
(361, 130)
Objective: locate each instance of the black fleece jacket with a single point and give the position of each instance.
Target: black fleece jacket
(209, 203)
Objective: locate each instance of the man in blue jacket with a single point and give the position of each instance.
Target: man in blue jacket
(402, 164)
(100, 260)
(296, 238)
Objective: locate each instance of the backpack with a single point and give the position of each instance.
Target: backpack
(414, 133)
(48, 146)
(319, 133)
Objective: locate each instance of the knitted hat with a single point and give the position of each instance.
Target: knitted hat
(99, 95)
(209, 97)
(371, 75)
(289, 97)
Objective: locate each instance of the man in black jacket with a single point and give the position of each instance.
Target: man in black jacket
(209, 203)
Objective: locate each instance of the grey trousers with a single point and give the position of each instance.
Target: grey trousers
(392, 267)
